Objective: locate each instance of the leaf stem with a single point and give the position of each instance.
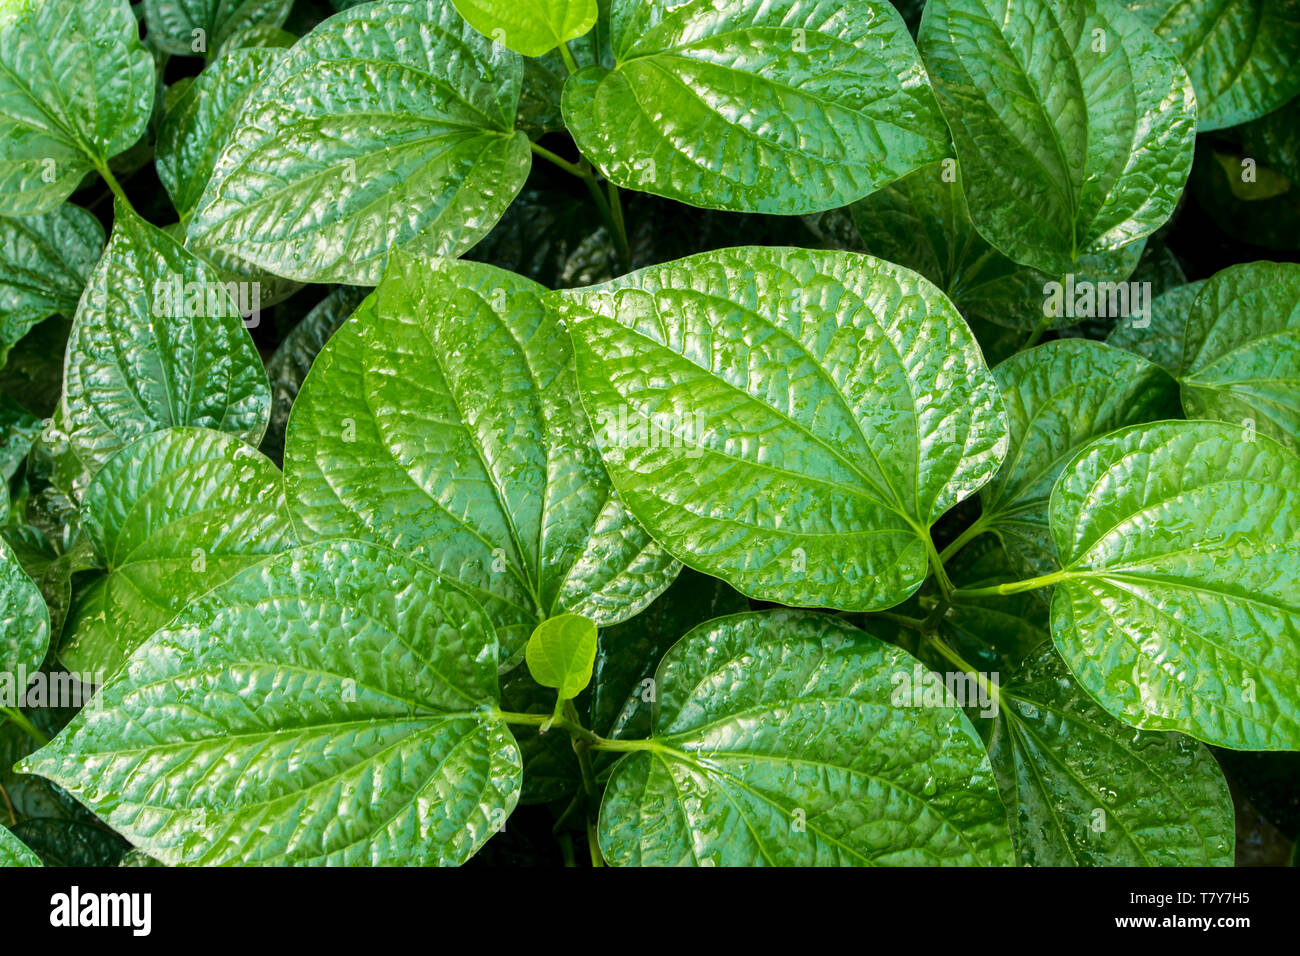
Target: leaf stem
(114, 185)
(569, 63)
(948, 654)
(1039, 331)
(574, 169)
(20, 719)
(977, 527)
(593, 843)
(620, 227)
(1012, 587)
(936, 563)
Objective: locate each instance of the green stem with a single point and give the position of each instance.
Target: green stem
(948, 654)
(1037, 334)
(620, 227)
(936, 563)
(1012, 587)
(114, 185)
(570, 727)
(912, 623)
(581, 171)
(569, 63)
(19, 718)
(594, 844)
(978, 527)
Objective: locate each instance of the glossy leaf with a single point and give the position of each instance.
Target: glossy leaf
(1074, 126)
(142, 358)
(333, 705)
(1160, 340)
(785, 107)
(530, 27)
(1085, 790)
(199, 27)
(775, 744)
(389, 125)
(44, 263)
(13, 852)
(1241, 350)
(24, 621)
(787, 420)
(199, 124)
(169, 517)
(1179, 604)
(1059, 397)
(1241, 54)
(76, 88)
(561, 653)
(445, 421)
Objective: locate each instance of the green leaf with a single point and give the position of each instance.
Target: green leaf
(1179, 604)
(199, 27)
(788, 420)
(333, 705)
(561, 653)
(1274, 140)
(1241, 54)
(1161, 339)
(402, 115)
(201, 121)
(141, 358)
(44, 263)
(13, 852)
(76, 88)
(445, 421)
(1074, 126)
(256, 38)
(293, 358)
(24, 621)
(530, 27)
(19, 428)
(774, 744)
(1059, 397)
(786, 107)
(169, 517)
(922, 222)
(1085, 790)
(1241, 350)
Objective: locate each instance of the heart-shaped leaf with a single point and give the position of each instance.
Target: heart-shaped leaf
(788, 420)
(200, 27)
(158, 341)
(1059, 397)
(24, 621)
(169, 517)
(1241, 54)
(1179, 604)
(44, 263)
(785, 107)
(1085, 790)
(76, 88)
(561, 653)
(775, 743)
(530, 27)
(1074, 126)
(445, 421)
(390, 124)
(333, 705)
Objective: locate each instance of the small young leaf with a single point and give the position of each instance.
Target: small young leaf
(775, 743)
(445, 421)
(76, 88)
(390, 124)
(788, 420)
(333, 705)
(561, 653)
(786, 107)
(1241, 54)
(1074, 126)
(13, 852)
(1179, 604)
(157, 342)
(1085, 790)
(200, 27)
(44, 263)
(1241, 350)
(169, 517)
(1059, 397)
(530, 27)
